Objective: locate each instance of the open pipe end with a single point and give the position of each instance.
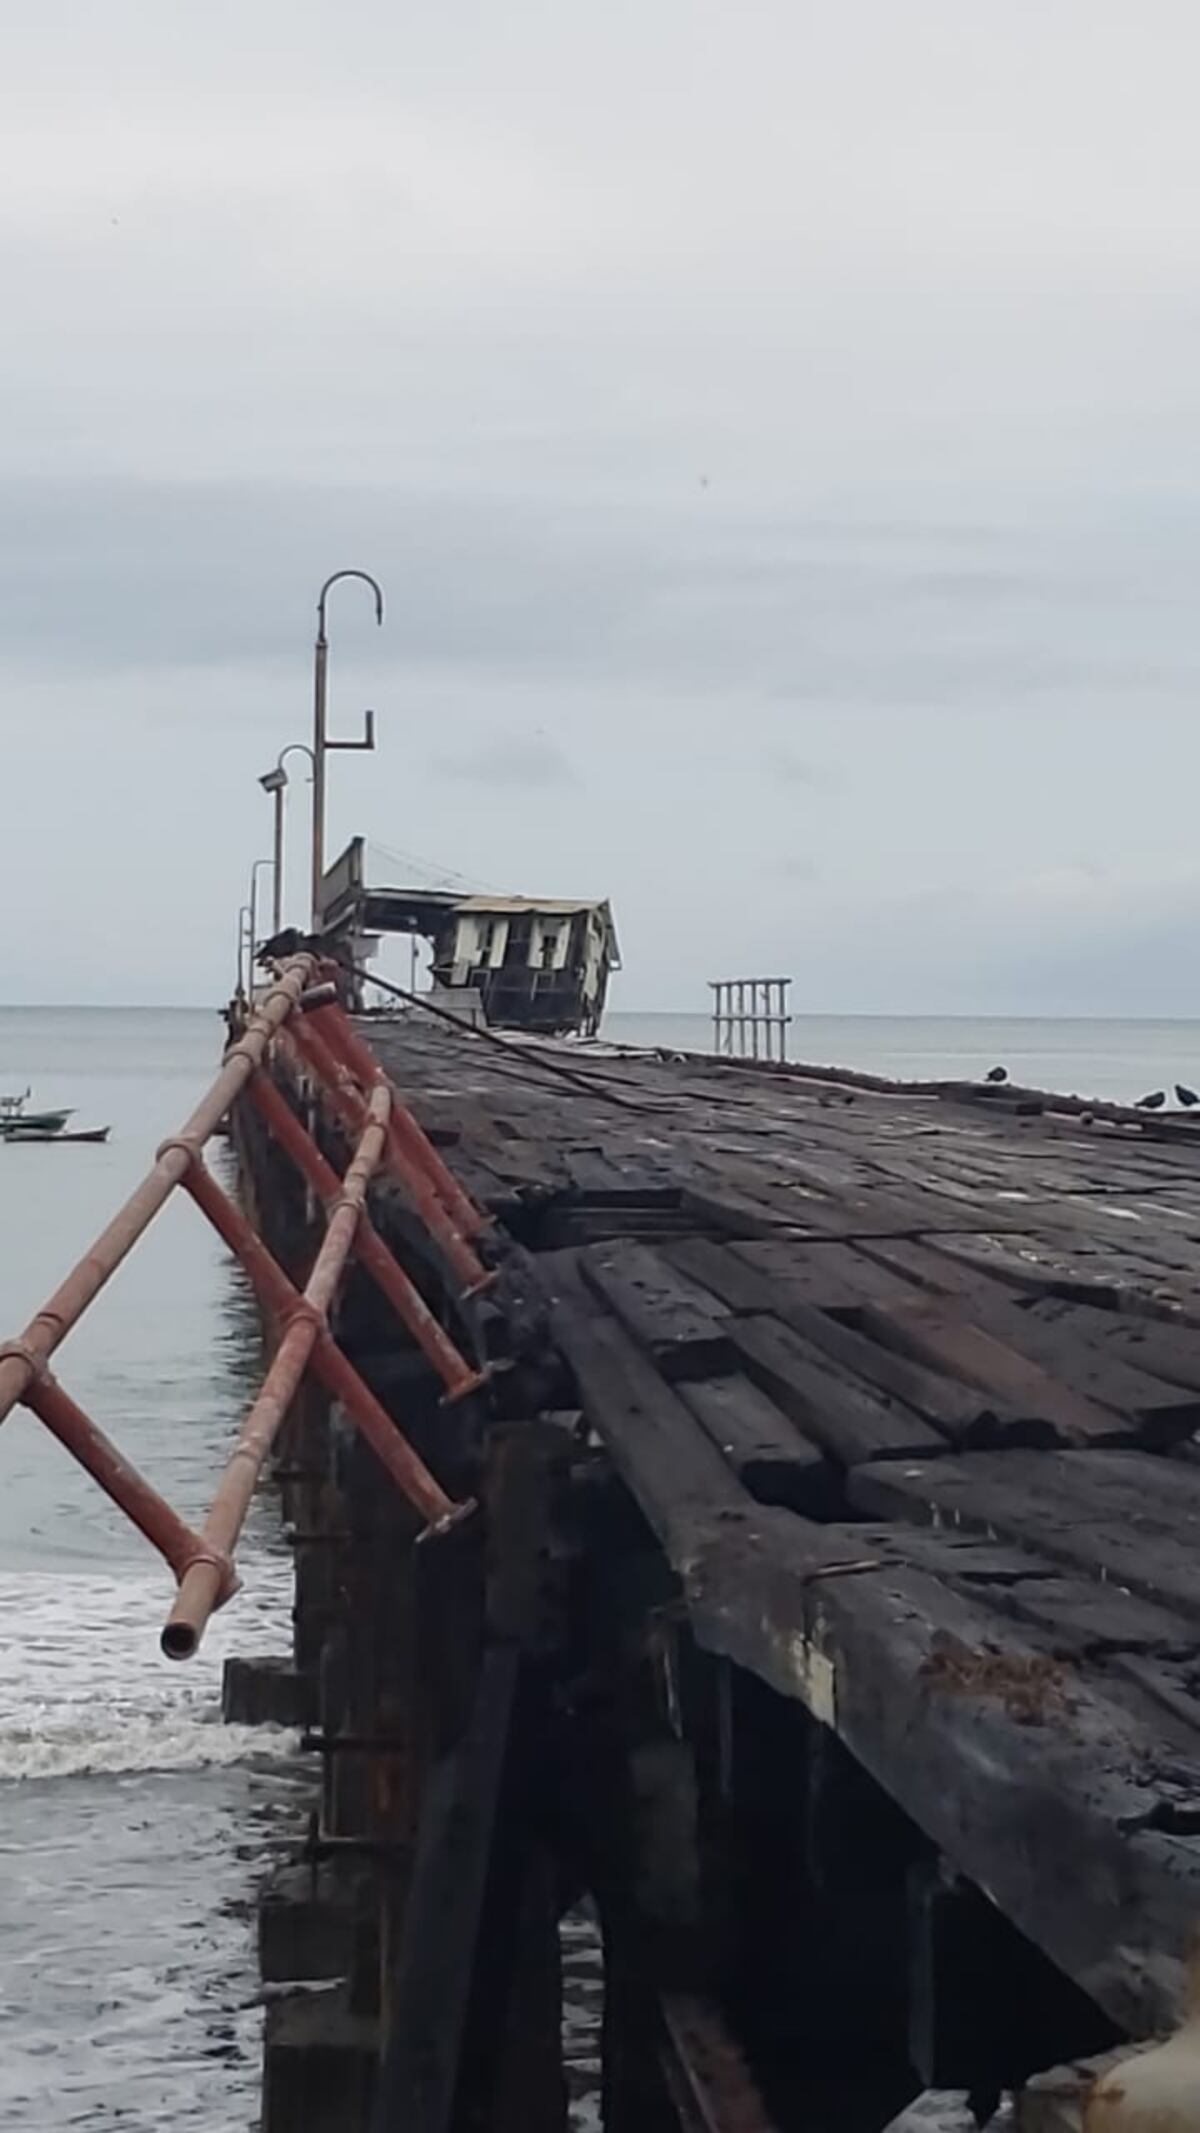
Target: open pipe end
(180, 1640)
(459, 1515)
(485, 1282)
(477, 1379)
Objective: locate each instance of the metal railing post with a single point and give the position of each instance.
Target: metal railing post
(369, 1247)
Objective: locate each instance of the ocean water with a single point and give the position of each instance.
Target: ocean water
(133, 1826)
(1119, 1061)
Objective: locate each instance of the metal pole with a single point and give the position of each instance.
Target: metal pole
(369, 1248)
(21, 1360)
(277, 863)
(348, 1047)
(276, 782)
(253, 925)
(307, 1323)
(349, 1105)
(243, 921)
(321, 741)
(306, 1338)
(130, 1491)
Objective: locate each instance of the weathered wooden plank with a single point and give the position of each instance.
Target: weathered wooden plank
(1167, 1353)
(682, 1326)
(954, 1409)
(1163, 1412)
(1076, 1342)
(1079, 1614)
(1032, 1782)
(773, 1462)
(831, 1276)
(1086, 1268)
(926, 1266)
(429, 2041)
(607, 1179)
(723, 1272)
(671, 1466)
(1124, 1517)
(732, 1213)
(850, 1419)
(1039, 1407)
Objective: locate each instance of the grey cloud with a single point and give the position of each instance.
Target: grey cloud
(784, 764)
(524, 761)
(389, 301)
(113, 575)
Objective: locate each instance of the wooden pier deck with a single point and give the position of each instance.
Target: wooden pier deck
(907, 1389)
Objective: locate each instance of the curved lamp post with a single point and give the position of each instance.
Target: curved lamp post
(275, 782)
(321, 741)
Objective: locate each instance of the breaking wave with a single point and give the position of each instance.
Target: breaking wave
(84, 1688)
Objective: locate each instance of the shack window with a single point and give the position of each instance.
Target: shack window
(549, 950)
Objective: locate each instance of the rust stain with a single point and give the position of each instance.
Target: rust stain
(1033, 1690)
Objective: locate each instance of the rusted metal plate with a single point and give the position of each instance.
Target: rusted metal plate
(708, 2079)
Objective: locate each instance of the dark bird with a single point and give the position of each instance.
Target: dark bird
(996, 1074)
(1153, 1102)
(1187, 1097)
(281, 945)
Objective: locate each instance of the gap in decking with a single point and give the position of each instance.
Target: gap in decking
(581, 1949)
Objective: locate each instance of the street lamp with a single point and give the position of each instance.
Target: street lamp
(275, 782)
(321, 741)
(253, 941)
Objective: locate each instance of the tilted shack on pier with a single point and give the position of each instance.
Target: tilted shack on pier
(513, 962)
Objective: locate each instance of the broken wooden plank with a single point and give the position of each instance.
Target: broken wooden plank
(682, 1326)
(1040, 1408)
(850, 1419)
(1163, 1412)
(773, 1462)
(956, 1410)
(669, 1463)
(1108, 1356)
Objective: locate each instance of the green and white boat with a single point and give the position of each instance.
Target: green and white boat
(17, 1123)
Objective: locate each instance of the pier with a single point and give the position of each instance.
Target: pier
(747, 1511)
(828, 1626)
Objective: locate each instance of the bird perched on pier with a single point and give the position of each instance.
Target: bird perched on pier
(1187, 1097)
(996, 1074)
(1153, 1102)
(281, 945)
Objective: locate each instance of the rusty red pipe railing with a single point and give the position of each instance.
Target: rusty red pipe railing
(130, 1491)
(349, 1105)
(200, 1588)
(369, 1248)
(20, 1360)
(347, 1046)
(308, 1316)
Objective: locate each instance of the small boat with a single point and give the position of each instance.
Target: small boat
(30, 1131)
(15, 1119)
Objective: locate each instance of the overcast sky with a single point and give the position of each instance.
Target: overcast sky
(776, 428)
